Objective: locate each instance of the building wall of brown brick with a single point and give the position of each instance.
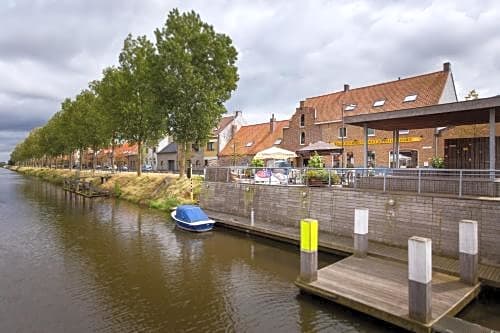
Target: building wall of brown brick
(353, 151)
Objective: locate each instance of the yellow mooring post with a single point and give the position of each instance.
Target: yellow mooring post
(308, 250)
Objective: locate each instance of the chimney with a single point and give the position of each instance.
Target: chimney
(346, 87)
(446, 67)
(272, 124)
(237, 114)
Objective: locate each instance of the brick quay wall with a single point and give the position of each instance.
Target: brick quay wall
(393, 217)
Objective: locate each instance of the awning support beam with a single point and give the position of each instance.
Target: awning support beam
(492, 140)
(365, 146)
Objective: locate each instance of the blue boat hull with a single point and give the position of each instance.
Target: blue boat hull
(201, 226)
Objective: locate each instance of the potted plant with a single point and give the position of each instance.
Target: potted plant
(317, 176)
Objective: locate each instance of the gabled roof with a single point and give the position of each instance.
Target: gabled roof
(427, 87)
(125, 149)
(170, 148)
(259, 135)
(222, 124)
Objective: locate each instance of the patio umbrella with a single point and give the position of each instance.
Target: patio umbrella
(275, 153)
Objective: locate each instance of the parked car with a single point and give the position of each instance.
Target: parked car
(147, 167)
(124, 168)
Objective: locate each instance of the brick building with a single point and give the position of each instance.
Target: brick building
(251, 139)
(321, 118)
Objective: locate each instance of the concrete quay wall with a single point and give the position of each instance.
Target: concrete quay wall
(393, 217)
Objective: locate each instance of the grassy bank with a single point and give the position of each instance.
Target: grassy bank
(155, 190)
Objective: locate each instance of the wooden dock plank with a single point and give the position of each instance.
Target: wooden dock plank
(379, 287)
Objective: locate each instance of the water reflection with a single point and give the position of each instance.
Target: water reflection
(103, 265)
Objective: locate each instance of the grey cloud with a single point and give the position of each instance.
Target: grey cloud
(289, 50)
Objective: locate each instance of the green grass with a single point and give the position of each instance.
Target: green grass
(164, 204)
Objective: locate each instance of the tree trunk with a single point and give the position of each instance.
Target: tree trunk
(113, 156)
(139, 158)
(93, 160)
(181, 153)
(80, 163)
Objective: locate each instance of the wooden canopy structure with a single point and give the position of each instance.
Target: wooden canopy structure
(478, 111)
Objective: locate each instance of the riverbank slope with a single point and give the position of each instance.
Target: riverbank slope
(156, 190)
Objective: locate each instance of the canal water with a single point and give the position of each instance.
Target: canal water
(70, 265)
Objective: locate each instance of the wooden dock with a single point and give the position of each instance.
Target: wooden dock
(379, 287)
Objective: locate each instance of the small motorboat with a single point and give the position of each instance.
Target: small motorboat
(192, 218)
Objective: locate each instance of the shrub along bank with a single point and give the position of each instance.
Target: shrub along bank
(155, 190)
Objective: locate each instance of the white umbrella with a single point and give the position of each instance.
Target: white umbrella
(275, 153)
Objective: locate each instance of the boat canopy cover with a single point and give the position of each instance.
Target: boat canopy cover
(190, 213)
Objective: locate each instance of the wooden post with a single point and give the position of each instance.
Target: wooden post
(308, 250)
(420, 278)
(360, 232)
(252, 217)
(468, 251)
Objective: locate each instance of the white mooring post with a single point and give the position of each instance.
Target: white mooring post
(420, 278)
(468, 251)
(308, 250)
(252, 217)
(360, 232)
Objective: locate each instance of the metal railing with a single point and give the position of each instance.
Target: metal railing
(425, 180)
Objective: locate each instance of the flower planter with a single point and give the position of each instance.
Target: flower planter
(316, 182)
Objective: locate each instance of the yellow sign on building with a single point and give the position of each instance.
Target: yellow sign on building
(407, 139)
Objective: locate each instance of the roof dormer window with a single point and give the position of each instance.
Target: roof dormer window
(249, 144)
(277, 142)
(350, 107)
(410, 98)
(378, 103)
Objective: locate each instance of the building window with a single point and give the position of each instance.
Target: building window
(350, 107)
(378, 103)
(371, 132)
(404, 131)
(277, 142)
(302, 120)
(210, 146)
(249, 144)
(302, 138)
(371, 159)
(410, 98)
(342, 132)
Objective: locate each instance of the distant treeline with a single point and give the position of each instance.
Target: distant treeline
(175, 86)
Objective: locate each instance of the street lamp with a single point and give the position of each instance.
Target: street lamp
(342, 132)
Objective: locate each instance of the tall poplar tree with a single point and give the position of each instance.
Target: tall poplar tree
(195, 75)
(143, 120)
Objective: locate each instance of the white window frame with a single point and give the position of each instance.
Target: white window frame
(373, 133)
(404, 132)
(350, 107)
(410, 98)
(249, 144)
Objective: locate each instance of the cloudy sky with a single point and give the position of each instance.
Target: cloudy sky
(288, 50)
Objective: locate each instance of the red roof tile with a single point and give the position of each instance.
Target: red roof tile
(427, 87)
(259, 135)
